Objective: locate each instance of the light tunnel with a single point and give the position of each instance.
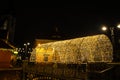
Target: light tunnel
(97, 48)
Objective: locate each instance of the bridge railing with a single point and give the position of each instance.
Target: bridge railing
(64, 71)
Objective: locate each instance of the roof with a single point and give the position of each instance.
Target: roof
(5, 44)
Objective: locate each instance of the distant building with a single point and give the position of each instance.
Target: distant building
(42, 41)
(6, 53)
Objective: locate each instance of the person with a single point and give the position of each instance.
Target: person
(19, 61)
(13, 60)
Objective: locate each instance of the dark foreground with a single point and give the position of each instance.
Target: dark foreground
(52, 71)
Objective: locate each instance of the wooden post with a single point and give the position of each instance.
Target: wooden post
(24, 65)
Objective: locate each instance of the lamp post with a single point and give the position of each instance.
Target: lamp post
(112, 29)
(26, 50)
(112, 34)
(104, 28)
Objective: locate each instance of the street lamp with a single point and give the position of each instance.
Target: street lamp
(26, 50)
(104, 28)
(118, 26)
(112, 34)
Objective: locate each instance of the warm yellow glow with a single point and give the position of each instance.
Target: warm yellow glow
(42, 52)
(15, 52)
(50, 50)
(39, 45)
(91, 49)
(104, 28)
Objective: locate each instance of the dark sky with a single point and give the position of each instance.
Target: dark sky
(38, 20)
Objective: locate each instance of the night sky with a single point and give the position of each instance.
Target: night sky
(40, 20)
